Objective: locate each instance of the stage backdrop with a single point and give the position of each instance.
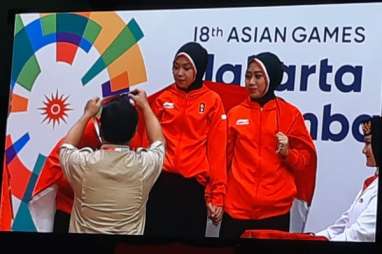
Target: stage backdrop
(333, 75)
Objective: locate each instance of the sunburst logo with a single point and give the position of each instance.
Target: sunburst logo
(55, 109)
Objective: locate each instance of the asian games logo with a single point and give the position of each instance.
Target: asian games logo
(60, 60)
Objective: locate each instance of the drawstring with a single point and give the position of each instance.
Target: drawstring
(96, 127)
(277, 115)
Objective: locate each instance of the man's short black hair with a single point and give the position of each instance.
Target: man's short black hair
(119, 119)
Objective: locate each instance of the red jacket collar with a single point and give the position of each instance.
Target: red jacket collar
(191, 94)
(270, 105)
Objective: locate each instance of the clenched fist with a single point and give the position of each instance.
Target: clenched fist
(282, 144)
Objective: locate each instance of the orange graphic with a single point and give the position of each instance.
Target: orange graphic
(19, 103)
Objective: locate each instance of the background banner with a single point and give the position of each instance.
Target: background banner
(333, 75)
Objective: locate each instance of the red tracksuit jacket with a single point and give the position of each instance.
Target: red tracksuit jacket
(261, 184)
(195, 127)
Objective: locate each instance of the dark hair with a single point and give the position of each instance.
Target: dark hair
(119, 120)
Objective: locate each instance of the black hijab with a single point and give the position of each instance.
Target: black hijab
(199, 58)
(273, 70)
(376, 139)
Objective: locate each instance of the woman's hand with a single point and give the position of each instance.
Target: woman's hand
(282, 144)
(215, 213)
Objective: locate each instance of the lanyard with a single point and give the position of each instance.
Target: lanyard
(115, 148)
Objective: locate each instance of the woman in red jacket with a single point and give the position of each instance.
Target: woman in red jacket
(193, 179)
(268, 148)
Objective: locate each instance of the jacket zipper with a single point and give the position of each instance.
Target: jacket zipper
(259, 153)
(181, 133)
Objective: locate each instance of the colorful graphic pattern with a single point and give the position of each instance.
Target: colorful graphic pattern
(119, 55)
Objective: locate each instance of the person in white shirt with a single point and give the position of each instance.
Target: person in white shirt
(358, 223)
(111, 185)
